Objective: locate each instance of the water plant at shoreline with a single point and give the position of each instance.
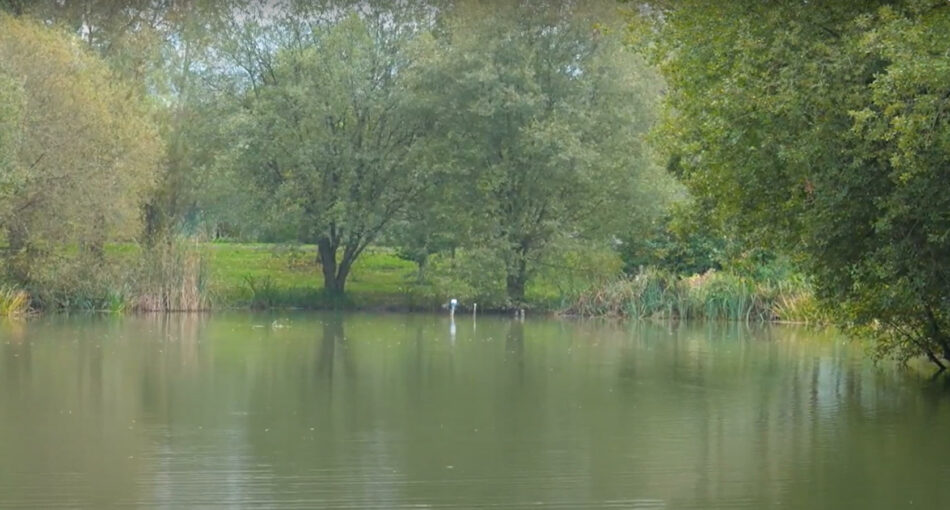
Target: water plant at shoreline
(172, 277)
(14, 302)
(714, 295)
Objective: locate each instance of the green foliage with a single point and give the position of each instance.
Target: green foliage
(125, 33)
(78, 152)
(342, 123)
(330, 138)
(14, 302)
(540, 120)
(569, 268)
(264, 292)
(473, 275)
(125, 278)
(477, 275)
(680, 242)
(75, 282)
(714, 295)
(501, 147)
(268, 276)
(264, 276)
(172, 52)
(11, 110)
(821, 129)
(431, 225)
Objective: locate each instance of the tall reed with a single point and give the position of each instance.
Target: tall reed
(171, 277)
(14, 302)
(714, 295)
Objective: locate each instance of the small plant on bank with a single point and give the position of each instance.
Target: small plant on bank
(14, 302)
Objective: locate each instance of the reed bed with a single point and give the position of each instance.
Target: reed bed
(14, 302)
(171, 278)
(722, 296)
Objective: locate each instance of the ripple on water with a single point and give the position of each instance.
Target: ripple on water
(391, 411)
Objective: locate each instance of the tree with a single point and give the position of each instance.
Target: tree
(165, 51)
(190, 81)
(13, 6)
(11, 111)
(680, 242)
(429, 227)
(125, 33)
(77, 154)
(543, 117)
(822, 129)
(331, 136)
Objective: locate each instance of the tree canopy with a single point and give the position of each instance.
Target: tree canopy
(77, 151)
(433, 125)
(542, 119)
(513, 133)
(821, 128)
(331, 135)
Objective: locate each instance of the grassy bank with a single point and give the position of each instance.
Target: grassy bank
(276, 276)
(206, 276)
(201, 276)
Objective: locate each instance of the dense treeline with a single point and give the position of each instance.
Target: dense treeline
(497, 146)
(821, 129)
(493, 131)
(78, 155)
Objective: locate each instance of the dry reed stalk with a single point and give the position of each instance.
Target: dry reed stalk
(14, 302)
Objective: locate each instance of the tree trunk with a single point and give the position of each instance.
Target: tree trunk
(937, 335)
(421, 268)
(16, 238)
(95, 246)
(933, 358)
(334, 274)
(342, 272)
(327, 254)
(517, 276)
(16, 6)
(515, 282)
(17, 253)
(332, 337)
(515, 287)
(153, 228)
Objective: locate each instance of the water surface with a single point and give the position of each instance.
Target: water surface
(395, 411)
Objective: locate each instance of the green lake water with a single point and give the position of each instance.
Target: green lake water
(405, 411)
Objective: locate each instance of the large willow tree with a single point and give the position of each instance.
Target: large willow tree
(541, 115)
(165, 50)
(823, 127)
(77, 152)
(330, 132)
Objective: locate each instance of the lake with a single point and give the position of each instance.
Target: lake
(298, 410)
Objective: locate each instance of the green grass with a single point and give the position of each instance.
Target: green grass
(576, 281)
(269, 276)
(275, 276)
(248, 275)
